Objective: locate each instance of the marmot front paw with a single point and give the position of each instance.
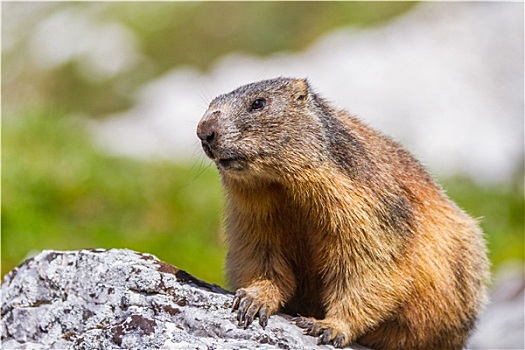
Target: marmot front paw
(326, 330)
(248, 307)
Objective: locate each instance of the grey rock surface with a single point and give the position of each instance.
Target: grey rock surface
(120, 299)
(502, 324)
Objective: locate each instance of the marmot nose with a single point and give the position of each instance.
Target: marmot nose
(207, 130)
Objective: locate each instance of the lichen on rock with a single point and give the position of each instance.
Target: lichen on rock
(116, 299)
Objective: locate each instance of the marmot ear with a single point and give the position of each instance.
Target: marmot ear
(300, 89)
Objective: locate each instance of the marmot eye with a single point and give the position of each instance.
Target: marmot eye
(258, 104)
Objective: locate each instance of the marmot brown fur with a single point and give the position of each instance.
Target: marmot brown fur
(335, 222)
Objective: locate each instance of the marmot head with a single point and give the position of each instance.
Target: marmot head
(266, 128)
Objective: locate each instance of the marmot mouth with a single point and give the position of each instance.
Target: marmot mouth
(234, 163)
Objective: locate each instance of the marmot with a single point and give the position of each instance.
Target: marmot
(331, 220)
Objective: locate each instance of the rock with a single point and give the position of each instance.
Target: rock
(502, 324)
(116, 299)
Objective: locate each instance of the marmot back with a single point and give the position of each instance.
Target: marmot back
(331, 220)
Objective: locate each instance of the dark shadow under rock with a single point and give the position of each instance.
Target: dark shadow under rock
(116, 299)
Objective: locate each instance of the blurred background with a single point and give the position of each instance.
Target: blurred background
(100, 103)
